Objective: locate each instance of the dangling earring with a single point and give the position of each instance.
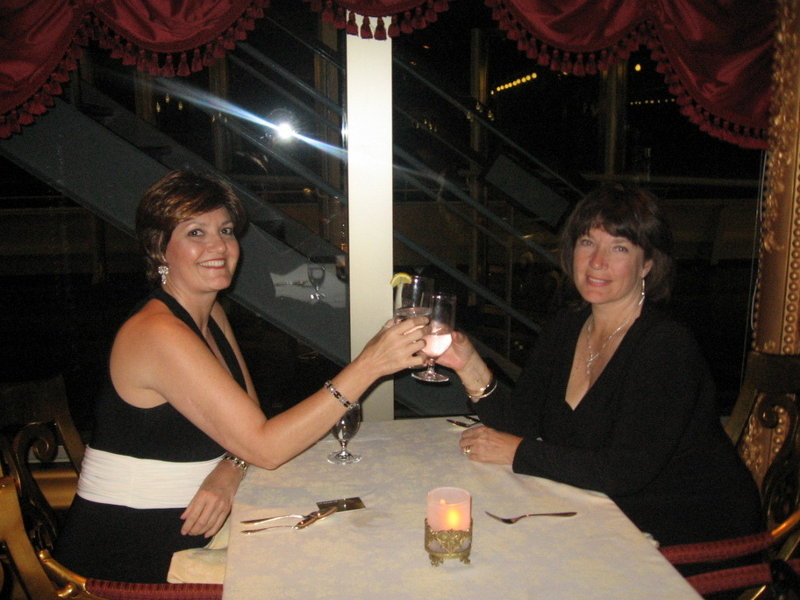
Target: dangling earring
(641, 300)
(163, 270)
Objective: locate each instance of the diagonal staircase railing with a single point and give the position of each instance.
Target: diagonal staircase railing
(114, 160)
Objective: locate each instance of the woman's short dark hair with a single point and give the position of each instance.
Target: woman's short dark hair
(178, 196)
(630, 212)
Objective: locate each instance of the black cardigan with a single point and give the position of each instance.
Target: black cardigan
(647, 433)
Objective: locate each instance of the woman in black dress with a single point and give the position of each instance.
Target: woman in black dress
(616, 396)
(179, 419)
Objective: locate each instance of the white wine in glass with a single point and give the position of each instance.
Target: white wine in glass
(413, 299)
(438, 336)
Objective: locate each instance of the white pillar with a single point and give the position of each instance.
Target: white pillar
(369, 193)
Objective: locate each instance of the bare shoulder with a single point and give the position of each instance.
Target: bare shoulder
(154, 322)
(146, 351)
(151, 340)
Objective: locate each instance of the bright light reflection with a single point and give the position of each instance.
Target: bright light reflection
(285, 130)
(205, 100)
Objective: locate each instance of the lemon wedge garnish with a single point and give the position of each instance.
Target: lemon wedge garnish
(399, 278)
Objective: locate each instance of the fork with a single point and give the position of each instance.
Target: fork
(511, 520)
(307, 520)
(268, 519)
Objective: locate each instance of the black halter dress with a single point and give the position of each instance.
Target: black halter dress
(109, 541)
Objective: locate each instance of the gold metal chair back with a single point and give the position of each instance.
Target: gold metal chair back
(42, 401)
(764, 427)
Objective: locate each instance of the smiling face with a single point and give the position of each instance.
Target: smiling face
(608, 269)
(202, 253)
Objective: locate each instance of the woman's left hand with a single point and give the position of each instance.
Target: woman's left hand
(212, 503)
(485, 444)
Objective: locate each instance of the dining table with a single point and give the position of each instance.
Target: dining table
(379, 551)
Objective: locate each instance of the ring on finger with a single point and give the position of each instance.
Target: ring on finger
(466, 450)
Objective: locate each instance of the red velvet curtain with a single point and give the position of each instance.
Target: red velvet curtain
(41, 40)
(715, 54)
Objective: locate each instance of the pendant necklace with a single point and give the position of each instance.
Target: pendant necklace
(593, 356)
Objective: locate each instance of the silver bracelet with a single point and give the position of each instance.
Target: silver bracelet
(237, 462)
(339, 396)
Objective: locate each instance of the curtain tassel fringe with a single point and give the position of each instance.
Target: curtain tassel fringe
(366, 30)
(380, 30)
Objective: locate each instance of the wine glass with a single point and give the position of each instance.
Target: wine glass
(316, 275)
(413, 299)
(343, 430)
(341, 267)
(439, 336)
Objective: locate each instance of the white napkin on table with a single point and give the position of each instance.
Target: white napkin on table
(202, 565)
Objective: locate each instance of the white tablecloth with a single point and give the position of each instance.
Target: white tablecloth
(378, 552)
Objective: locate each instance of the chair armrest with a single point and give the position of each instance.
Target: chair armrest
(681, 554)
(736, 578)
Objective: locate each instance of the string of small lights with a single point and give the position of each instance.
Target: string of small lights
(512, 84)
(653, 101)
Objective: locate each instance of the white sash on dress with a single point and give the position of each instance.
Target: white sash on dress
(111, 478)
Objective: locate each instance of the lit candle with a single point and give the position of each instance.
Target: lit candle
(449, 509)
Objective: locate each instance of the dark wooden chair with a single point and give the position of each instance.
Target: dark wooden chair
(41, 577)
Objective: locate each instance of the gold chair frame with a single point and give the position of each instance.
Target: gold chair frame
(764, 427)
(36, 421)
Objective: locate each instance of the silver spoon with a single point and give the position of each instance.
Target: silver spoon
(510, 520)
(309, 519)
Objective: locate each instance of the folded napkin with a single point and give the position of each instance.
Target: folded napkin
(202, 565)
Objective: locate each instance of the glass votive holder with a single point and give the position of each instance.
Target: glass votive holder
(448, 525)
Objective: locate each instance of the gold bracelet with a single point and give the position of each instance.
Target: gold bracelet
(237, 462)
(485, 391)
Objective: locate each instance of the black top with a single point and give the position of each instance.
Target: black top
(647, 433)
(161, 432)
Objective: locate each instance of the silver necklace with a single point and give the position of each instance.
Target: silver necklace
(593, 356)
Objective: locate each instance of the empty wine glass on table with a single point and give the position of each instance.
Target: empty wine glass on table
(316, 275)
(438, 336)
(343, 430)
(413, 299)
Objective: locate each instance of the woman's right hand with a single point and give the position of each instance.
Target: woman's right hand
(465, 360)
(459, 354)
(395, 347)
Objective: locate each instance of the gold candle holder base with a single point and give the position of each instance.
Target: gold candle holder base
(448, 544)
